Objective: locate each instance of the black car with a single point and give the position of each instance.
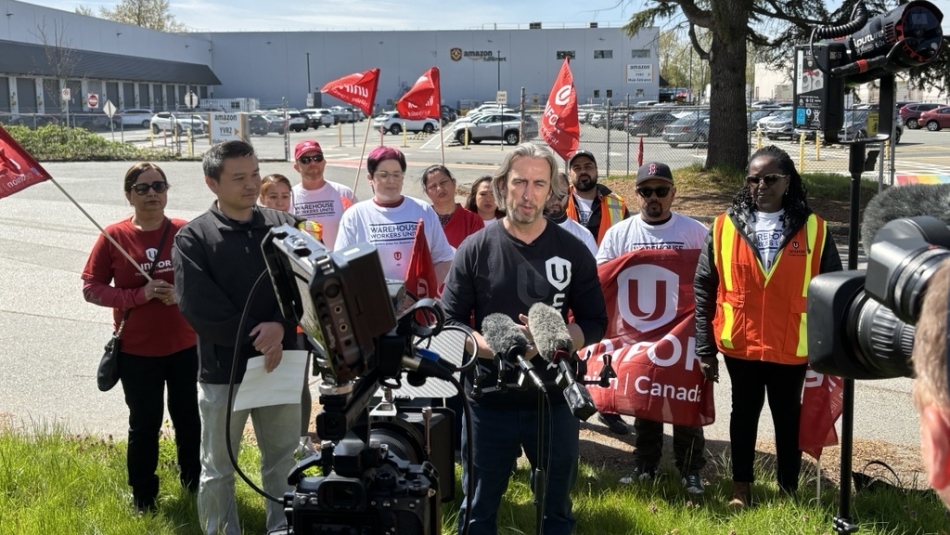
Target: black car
(649, 123)
(97, 123)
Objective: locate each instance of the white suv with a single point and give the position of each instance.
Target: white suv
(175, 122)
(326, 116)
(390, 121)
(137, 117)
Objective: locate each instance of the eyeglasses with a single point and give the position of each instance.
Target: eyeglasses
(769, 180)
(307, 159)
(661, 192)
(142, 189)
(383, 175)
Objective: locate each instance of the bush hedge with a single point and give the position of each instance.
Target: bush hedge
(53, 142)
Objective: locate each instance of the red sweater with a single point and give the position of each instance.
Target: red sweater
(461, 225)
(153, 329)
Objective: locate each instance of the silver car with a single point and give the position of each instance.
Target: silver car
(178, 123)
(502, 127)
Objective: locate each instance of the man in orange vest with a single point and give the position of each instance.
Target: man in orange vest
(597, 208)
(591, 204)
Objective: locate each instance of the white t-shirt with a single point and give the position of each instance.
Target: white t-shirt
(324, 206)
(768, 235)
(633, 233)
(491, 221)
(584, 209)
(582, 233)
(392, 231)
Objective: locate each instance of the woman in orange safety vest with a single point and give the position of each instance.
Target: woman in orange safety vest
(751, 288)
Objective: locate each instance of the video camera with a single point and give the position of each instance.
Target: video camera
(862, 50)
(872, 314)
(386, 470)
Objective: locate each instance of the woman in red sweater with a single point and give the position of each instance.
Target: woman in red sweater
(457, 223)
(158, 345)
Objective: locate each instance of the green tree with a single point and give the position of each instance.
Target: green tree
(85, 10)
(151, 14)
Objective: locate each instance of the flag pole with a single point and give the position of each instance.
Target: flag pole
(359, 164)
(102, 230)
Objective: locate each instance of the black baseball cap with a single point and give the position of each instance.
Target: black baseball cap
(651, 170)
(581, 152)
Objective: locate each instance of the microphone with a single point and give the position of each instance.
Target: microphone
(506, 339)
(904, 201)
(554, 343)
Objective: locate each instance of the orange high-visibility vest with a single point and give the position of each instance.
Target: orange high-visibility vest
(611, 211)
(762, 315)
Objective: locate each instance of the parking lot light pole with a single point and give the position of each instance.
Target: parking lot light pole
(309, 87)
(498, 61)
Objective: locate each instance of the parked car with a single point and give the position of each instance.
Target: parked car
(136, 117)
(97, 122)
(449, 113)
(690, 130)
(260, 124)
(504, 127)
(391, 122)
(854, 126)
(319, 117)
(758, 115)
(343, 115)
(777, 125)
(910, 114)
(178, 123)
(935, 119)
(358, 114)
(649, 123)
(297, 122)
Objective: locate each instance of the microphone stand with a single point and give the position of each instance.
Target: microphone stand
(540, 476)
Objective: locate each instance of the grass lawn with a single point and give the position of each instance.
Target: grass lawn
(54, 482)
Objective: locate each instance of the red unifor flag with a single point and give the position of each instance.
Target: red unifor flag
(424, 100)
(651, 338)
(18, 170)
(821, 406)
(559, 127)
(420, 273)
(358, 89)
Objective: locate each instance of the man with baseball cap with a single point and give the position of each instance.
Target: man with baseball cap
(589, 203)
(315, 198)
(658, 227)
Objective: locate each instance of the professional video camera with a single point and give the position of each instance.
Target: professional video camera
(384, 471)
(862, 50)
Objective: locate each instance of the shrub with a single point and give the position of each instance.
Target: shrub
(53, 142)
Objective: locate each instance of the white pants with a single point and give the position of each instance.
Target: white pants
(278, 431)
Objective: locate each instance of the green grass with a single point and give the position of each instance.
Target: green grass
(53, 482)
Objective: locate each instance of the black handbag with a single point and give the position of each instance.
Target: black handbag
(108, 374)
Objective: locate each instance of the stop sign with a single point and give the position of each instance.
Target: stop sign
(93, 100)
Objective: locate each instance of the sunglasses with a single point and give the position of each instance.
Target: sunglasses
(307, 159)
(661, 192)
(160, 186)
(769, 180)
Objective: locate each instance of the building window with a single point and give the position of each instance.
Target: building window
(561, 54)
(610, 93)
(636, 54)
(597, 93)
(603, 54)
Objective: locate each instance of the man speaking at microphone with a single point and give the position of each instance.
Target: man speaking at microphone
(505, 269)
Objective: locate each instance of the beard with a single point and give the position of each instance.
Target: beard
(652, 210)
(585, 183)
(520, 218)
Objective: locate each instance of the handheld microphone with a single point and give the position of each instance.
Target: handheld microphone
(554, 343)
(506, 339)
(904, 201)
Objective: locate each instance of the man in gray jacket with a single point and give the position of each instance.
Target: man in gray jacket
(217, 259)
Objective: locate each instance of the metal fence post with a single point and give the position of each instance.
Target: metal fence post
(607, 126)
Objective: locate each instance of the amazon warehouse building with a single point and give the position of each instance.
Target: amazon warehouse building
(45, 51)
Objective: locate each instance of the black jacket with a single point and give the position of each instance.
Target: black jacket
(706, 284)
(593, 224)
(217, 260)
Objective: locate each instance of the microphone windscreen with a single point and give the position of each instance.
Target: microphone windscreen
(502, 333)
(548, 330)
(904, 201)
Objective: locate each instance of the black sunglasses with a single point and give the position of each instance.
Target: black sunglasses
(307, 159)
(159, 186)
(769, 180)
(661, 192)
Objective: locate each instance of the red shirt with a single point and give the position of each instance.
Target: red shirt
(153, 329)
(461, 225)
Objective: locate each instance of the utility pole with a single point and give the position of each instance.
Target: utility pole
(309, 87)
(499, 69)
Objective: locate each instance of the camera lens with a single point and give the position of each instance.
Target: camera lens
(884, 342)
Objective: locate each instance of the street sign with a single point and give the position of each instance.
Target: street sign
(309, 100)
(109, 108)
(92, 100)
(502, 98)
(191, 100)
(66, 93)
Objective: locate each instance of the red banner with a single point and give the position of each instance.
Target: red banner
(559, 127)
(420, 273)
(650, 303)
(18, 170)
(821, 407)
(424, 100)
(358, 89)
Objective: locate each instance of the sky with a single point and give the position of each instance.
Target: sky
(322, 15)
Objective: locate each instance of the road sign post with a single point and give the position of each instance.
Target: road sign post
(109, 109)
(191, 100)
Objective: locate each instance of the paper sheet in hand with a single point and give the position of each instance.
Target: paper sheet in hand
(279, 387)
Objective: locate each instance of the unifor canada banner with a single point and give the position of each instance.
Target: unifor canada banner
(651, 340)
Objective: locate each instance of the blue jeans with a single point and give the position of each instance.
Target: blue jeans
(499, 436)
